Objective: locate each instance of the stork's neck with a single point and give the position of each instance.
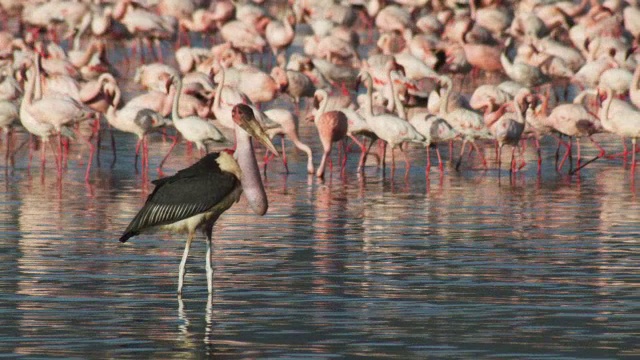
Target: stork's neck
(251, 181)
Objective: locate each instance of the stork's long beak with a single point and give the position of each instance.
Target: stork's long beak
(253, 127)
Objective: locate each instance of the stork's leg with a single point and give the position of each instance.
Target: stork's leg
(209, 267)
(183, 262)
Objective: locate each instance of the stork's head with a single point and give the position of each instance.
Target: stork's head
(245, 118)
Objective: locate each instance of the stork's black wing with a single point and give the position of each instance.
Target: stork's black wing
(190, 191)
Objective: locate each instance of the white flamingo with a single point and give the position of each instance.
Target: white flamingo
(469, 124)
(392, 129)
(624, 121)
(192, 128)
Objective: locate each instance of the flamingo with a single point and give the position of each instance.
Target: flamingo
(298, 86)
(10, 88)
(634, 88)
(135, 120)
(508, 129)
(9, 114)
(469, 124)
(631, 15)
(574, 120)
(31, 122)
(156, 100)
(37, 117)
(192, 128)
(242, 36)
(332, 127)
(154, 76)
(393, 18)
(623, 120)
(617, 79)
(435, 129)
(393, 130)
(257, 85)
(357, 125)
(225, 98)
(288, 126)
(280, 34)
(523, 73)
(145, 24)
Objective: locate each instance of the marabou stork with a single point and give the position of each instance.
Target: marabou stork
(195, 197)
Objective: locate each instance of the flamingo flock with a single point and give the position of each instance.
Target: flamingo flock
(396, 73)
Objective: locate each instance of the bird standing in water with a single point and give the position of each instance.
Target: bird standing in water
(195, 197)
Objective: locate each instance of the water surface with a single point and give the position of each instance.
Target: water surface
(463, 265)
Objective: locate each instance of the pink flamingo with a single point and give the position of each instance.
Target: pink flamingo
(332, 127)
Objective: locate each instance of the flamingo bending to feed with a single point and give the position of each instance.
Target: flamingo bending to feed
(135, 120)
(289, 128)
(508, 128)
(332, 127)
(195, 197)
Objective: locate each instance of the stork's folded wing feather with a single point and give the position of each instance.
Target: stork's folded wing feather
(187, 193)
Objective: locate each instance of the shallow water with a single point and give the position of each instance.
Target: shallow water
(464, 265)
